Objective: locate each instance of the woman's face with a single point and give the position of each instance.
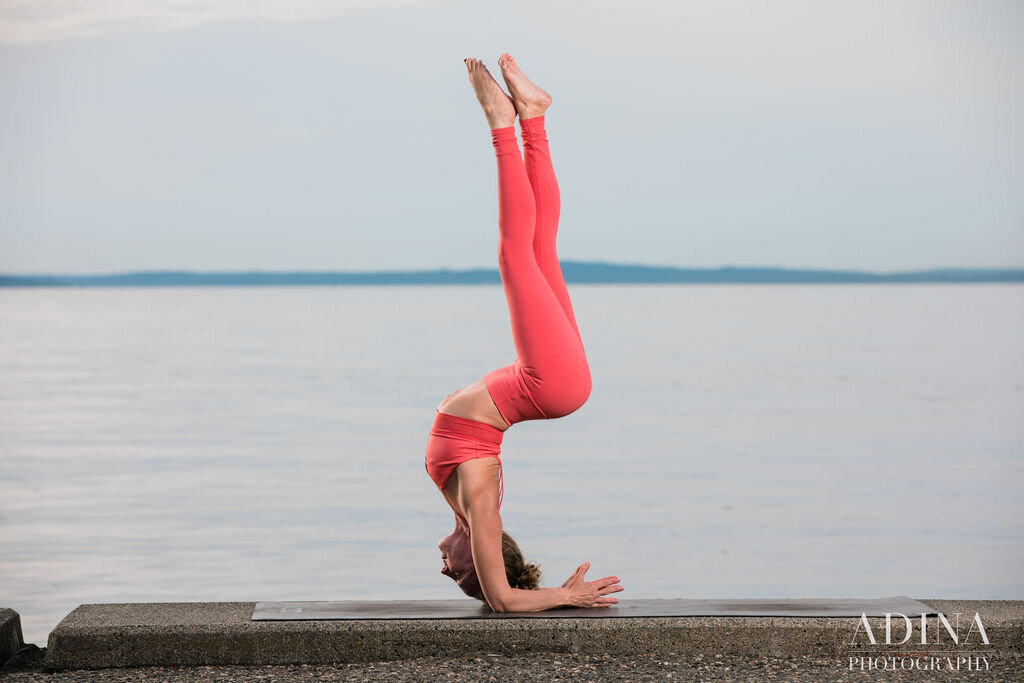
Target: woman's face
(457, 555)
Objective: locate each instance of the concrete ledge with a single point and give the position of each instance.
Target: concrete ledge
(11, 638)
(219, 633)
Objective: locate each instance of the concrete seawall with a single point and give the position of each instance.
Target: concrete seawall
(193, 634)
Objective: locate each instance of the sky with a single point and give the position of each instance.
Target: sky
(314, 135)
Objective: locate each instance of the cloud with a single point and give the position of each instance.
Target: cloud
(25, 22)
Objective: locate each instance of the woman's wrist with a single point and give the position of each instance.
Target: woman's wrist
(560, 593)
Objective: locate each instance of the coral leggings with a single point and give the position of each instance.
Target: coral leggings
(550, 376)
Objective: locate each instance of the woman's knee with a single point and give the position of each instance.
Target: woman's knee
(565, 394)
(580, 392)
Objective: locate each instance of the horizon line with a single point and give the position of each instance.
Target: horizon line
(480, 269)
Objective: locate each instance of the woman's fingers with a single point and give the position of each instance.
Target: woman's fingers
(604, 583)
(604, 602)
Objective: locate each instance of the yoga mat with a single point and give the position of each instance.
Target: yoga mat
(472, 609)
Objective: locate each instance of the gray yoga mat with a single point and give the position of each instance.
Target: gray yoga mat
(472, 609)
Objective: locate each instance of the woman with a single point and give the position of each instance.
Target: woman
(549, 378)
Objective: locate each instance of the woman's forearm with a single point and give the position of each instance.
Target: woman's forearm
(538, 600)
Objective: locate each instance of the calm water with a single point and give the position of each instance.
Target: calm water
(740, 441)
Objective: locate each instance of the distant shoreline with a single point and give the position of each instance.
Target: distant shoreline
(576, 272)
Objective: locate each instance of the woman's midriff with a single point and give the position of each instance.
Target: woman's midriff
(473, 402)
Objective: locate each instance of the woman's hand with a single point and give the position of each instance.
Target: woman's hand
(590, 593)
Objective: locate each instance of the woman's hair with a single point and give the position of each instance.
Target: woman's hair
(519, 572)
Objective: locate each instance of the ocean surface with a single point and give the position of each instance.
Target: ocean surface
(220, 444)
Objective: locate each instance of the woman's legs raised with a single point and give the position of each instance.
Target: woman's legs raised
(550, 377)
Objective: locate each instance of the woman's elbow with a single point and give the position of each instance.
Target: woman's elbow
(500, 603)
(499, 607)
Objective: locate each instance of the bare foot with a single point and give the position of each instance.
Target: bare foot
(530, 100)
(498, 107)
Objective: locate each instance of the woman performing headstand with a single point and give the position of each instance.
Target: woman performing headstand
(550, 377)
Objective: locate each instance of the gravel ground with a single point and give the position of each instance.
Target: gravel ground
(527, 667)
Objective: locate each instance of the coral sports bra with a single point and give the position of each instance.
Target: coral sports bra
(453, 440)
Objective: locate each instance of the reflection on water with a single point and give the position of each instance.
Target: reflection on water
(740, 441)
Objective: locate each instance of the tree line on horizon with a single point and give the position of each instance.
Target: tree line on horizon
(575, 272)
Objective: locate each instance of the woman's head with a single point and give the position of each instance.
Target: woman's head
(457, 554)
